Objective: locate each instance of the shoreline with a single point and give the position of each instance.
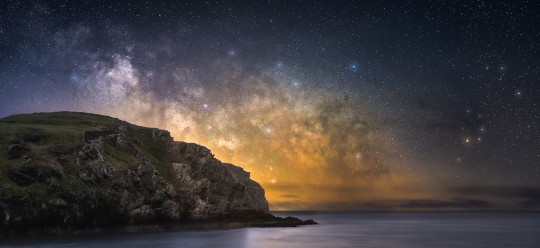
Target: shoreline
(222, 223)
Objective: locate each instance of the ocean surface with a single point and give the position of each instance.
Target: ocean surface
(335, 230)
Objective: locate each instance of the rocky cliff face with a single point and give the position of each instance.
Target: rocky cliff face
(71, 171)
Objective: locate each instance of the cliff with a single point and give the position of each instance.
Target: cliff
(65, 171)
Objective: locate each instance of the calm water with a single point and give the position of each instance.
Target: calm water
(338, 230)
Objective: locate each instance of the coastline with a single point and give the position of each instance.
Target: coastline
(233, 221)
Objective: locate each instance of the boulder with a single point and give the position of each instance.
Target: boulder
(18, 151)
(20, 178)
(52, 185)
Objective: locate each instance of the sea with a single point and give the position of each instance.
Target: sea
(335, 229)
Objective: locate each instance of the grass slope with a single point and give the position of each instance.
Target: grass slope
(54, 139)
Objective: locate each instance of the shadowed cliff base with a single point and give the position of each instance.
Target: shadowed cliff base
(75, 172)
(241, 219)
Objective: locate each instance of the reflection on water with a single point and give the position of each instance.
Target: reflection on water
(338, 230)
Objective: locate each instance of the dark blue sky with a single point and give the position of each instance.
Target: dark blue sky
(455, 85)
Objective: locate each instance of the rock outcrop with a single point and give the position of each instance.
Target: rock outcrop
(76, 171)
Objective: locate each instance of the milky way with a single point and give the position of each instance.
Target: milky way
(297, 141)
(362, 106)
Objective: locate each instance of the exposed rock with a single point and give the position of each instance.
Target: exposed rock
(18, 151)
(26, 159)
(161, 136)
(86, 178)
(254, 190)
(144, 167)
(143, 214)
(171, 210)
(58, 202)
(20, 178)
(52, 185)
(93, 134)
(125, 175)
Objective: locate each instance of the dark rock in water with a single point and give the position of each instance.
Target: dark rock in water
(18, 151)
(310, 222)
(120, 176)
(251, 219)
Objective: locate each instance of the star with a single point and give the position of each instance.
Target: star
(268, 130)
(354, 67)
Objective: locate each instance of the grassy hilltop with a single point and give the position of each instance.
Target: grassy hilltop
(53, 139)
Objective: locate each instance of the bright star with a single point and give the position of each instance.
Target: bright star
(354, 67)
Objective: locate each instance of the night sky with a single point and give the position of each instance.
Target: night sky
(331, 105)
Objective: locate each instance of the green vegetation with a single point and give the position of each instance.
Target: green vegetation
(62, 120)
(119, 158)
(55, 139)
(12, 190)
